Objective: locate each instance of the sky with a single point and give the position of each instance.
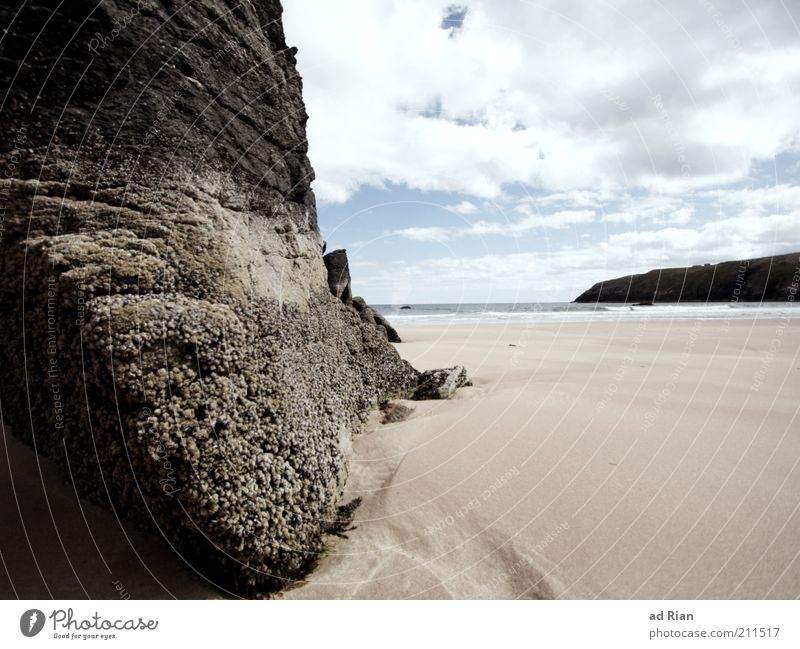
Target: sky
(521, 151)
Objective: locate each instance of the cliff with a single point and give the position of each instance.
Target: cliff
(169, 335)
(750, 280)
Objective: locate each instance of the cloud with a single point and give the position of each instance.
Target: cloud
(426, 234)
(566, 96)
(759, 201)
(561, 274)
(651, 208)
(556, 221)
(671, 121)
(464, 207)
(533, 221)
(575, 198)
(732, 206)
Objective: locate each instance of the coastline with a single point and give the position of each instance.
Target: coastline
(554, 313)
(635, 460)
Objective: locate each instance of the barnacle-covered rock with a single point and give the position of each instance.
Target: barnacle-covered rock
(372, 317)
(168, 329)
(441, 384)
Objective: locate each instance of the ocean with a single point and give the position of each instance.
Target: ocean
(556, 312)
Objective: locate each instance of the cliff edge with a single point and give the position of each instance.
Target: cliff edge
(749, 280)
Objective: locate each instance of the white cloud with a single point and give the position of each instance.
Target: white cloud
(568, 95)
(532, 221)
(759, 201)
(425, 234)
(563, 273)
(609, 116)
(651, 208)
(555, 221)
(580, 198)
(464, 207)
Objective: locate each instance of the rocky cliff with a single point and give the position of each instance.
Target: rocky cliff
(169, 335)
(749, 280)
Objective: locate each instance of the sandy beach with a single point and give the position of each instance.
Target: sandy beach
(637, 460)
(589, 460)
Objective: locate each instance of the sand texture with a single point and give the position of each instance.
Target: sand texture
(640, 460)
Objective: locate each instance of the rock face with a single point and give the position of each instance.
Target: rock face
(441, 384)
(751, 280)
(340, 284)
(371, 316)
(169, 336)
(391, 333)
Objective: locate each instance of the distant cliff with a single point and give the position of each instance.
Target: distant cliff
(749, 280)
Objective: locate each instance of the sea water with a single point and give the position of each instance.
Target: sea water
(555, 312)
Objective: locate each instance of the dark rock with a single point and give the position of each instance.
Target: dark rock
(391, 333)
(382, 331)
(394, 412)
(442, 383)
(371, 316)
(169, 336)
(405, 307)
(364, 312)
(367, 315)
(751, 280)
(339, 275)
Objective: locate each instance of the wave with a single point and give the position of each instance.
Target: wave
(570, 312)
